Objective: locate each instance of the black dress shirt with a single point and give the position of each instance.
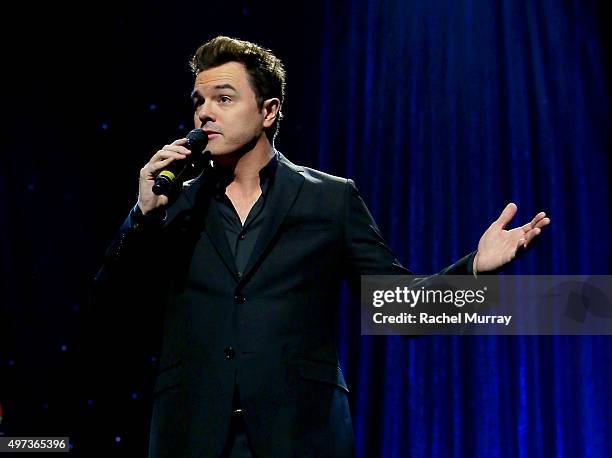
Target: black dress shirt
(242, 238)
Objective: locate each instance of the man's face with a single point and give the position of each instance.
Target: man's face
(226, 108)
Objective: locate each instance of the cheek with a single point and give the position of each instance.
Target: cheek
(246, 125)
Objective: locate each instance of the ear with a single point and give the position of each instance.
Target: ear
(271, 110)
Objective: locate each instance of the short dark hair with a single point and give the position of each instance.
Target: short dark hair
(266, 71)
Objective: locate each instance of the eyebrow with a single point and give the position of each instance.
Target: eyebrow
(226, 86)
(195, 94)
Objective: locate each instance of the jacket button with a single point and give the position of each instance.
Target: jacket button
(239, 299)
(229, 353)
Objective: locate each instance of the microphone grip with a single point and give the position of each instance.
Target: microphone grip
(175, 171)
(166, 178)
(196, 142)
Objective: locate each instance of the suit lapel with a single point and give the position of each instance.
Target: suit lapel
(216, 231)
(287, 184)
(200, 197)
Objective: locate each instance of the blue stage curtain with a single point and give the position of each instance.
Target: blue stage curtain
(443, 112)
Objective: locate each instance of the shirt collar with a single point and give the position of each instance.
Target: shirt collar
(266, 177)
(268, 171)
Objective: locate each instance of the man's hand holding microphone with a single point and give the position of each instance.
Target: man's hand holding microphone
(167, 168)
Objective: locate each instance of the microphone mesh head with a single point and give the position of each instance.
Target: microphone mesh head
(197, 140)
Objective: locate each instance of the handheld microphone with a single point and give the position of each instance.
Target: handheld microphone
(196, 142)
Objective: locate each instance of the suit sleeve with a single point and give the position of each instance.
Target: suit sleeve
(122, 322)
(129, 259)
(367, 253)
(128, 248)
(136, 263)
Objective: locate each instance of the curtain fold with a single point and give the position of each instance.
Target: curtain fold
(443, 112)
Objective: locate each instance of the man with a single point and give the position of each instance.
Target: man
(249, 258)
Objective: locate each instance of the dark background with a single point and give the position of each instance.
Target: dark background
(441, 111)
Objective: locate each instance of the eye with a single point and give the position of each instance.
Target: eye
(224, 99)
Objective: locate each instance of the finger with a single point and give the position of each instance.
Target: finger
(531, 224)
(530, 236)
(177, 148)
(537, 218)
(163, 154)
(151, 169)
(506, 215)
(180, 141)
(543, 222)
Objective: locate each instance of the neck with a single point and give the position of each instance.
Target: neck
(245, 166)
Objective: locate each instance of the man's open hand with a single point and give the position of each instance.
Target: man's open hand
(498, 246)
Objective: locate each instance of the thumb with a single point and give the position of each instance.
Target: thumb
(506, 216)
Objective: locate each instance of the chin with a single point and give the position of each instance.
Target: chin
(216, 152)
(221, 155)
(220, 152)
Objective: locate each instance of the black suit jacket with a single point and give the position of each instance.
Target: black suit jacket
(271, 331)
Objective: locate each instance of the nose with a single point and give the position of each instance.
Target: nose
(204, 114)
